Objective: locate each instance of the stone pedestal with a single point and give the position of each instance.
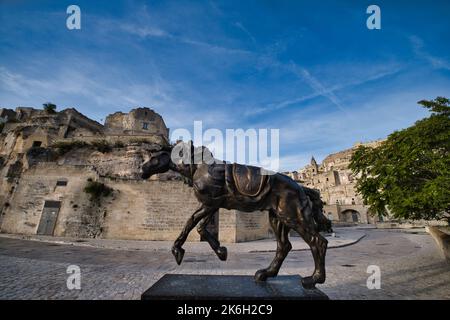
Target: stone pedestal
(229, 287)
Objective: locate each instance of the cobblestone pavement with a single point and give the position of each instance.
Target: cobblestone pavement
(342, 237)
(411, 268)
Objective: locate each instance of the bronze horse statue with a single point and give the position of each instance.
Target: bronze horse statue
(218, 184)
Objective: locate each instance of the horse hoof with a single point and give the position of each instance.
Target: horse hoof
(308, 283)
(261, 275)
(178, 253)
(222, 253)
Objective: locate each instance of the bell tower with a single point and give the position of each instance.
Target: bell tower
(314, 165)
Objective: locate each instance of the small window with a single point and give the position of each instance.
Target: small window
(61, 183)
(145, 125)
(37, 144)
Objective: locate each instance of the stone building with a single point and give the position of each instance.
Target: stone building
(336, 184)
(137, 121)
(43, 186)
(28, 127)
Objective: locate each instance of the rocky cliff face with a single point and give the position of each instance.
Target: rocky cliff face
(122, 162)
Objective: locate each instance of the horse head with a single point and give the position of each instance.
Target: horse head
(158, 162)
(178, 155)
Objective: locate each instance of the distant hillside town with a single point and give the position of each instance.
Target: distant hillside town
(336, 184)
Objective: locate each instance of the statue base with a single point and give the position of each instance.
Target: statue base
(229, 287)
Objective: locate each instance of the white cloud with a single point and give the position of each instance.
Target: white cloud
(329, 92)
(148, 25)
(145, 31)
(419, 49)
(99, 95)
(213, 47)
(293, 162)
(240, 26)
(304, 134)
(315, 84)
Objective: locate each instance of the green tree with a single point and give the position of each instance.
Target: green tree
(97, 190)
(409, 173)
(49, 107)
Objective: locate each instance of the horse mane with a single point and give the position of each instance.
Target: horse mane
(195, 151)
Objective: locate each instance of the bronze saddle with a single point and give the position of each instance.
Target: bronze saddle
(248, 180)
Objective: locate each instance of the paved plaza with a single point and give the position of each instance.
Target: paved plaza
(410, 265)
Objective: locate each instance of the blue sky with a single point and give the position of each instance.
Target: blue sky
(309, 68)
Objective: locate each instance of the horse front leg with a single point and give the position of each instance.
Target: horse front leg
(221, 252)
(198, 215)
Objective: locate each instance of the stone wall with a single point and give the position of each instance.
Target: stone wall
(149, 210)
(136, 209)
(238, 226)
(37, 185)
(343, 213)
(227, 226)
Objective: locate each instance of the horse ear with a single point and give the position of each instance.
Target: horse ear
(192, 148)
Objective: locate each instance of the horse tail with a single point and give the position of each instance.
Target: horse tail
(323, 223)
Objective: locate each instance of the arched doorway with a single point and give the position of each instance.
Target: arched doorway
(352, 216)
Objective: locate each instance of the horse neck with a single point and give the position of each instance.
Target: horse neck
(186, 170)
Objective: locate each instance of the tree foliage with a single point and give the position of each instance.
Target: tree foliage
(97, 190)
(63, 147)
(102, 145)
(409, 174)
(49, 107)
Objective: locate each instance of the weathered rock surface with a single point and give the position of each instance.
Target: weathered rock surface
(442, 240)
(118, 163)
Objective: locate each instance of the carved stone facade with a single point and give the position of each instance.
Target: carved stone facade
(336, 184)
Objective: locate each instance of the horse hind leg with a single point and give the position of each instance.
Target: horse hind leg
(281, 232)
(307, 229)
(221, 252)
(318, 245)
